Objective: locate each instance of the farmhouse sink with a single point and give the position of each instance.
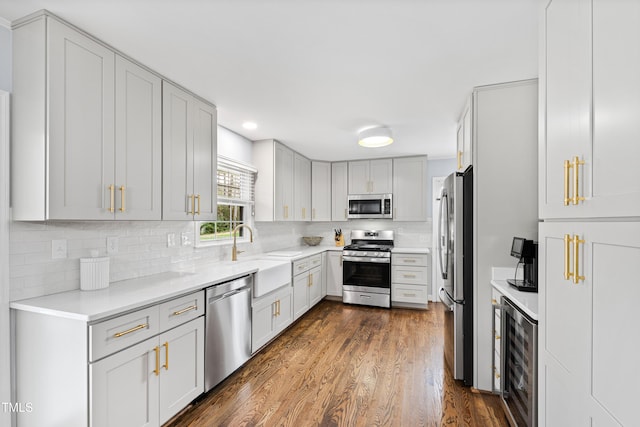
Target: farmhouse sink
(272, 274)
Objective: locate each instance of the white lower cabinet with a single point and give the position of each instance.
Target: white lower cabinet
(410, 278)
(135, 369)
(147, 384)
(334, 274)
(307, 284)
(588, 294)
(270, 315)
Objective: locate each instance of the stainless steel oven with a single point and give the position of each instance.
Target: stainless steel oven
(366, 268)
(519, 365)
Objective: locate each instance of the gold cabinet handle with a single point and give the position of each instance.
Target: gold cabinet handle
(567, 262)
(576, 260)
(493, 301)
(128, 331)
(409, 295)
(157, 351)
(345, 214)
(166, 355)
(122, 198)
(409, 276)
(576, 164)
(497, 337)
(112, 198)
(567, 166)
(340, 260)
(497, 376)
(460, 160)
(278, 308)
(184, 310)
(313, 213)
(191, 203)
(410, 261)
(198, 211)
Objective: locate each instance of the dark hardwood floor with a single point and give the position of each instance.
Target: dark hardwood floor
(342, 365)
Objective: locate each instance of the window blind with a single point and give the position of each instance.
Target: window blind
(236, 182)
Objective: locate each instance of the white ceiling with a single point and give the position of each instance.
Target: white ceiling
(312, 73)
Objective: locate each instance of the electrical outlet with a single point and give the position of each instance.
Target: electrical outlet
(112, 245)
(58, 249)
(186, 239)
(171, 240)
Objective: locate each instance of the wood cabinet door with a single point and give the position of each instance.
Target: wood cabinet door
(177, 153)
(205, 160)
(410, 189)
(320, 191)
(339, 191)
(283, 182)
(381, 176)
(81, 125)
(138, 124)
(124, 388)
(182, 367)
(334, 273)
(301, 188)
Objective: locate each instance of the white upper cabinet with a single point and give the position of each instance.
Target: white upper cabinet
(339, 193)
(283, 181)
(189, 159)
(410, 189)
(371, 176)
(302, 188)
(138, 181)
(590, 101)
(63, 123)
(283, 184)
(320, 191)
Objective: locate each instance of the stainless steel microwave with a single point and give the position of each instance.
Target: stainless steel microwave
(365, 206)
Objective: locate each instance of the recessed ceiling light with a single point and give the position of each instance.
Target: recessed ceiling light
(250, 125)
(375, 137)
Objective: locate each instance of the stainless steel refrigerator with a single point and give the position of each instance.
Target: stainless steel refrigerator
(455, 259)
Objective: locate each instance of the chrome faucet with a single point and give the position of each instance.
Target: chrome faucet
(234, 250)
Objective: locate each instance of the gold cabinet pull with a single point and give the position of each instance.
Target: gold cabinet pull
(313, 213)
(112, 198)
(184, 310)
(576, 260)
(459, 160)
(128, 331)
(166, 355)
(410, 261)
(493, 301)
(198, 198)
(340, 260)
(345, 214)
(122, 198)
(567, 166)
(157, 351)
(497, 337)
(567, 262)
(576, 164)
(409, 295)
(409, 276)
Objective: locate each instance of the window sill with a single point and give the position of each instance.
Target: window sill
(219, 243)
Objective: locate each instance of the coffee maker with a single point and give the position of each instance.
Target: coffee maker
(527, 253)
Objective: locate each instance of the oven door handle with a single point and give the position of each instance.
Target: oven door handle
(366, 259)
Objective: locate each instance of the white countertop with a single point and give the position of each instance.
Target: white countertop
(132, 294)
(526, 301)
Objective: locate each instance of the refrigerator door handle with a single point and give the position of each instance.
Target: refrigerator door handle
(448, 296)
(443, 243)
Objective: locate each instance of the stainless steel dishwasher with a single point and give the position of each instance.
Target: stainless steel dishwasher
(227, 329)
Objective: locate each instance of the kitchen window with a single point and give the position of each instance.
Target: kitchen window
(236, 186)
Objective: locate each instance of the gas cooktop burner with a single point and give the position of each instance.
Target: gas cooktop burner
(369, 247)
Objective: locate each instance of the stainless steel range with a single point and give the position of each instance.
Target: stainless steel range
(366, 268)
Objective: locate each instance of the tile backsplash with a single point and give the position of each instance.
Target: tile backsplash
(140, 248)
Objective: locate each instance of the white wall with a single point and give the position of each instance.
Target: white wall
(5, 55)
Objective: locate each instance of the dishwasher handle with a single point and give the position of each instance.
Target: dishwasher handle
(215, 299)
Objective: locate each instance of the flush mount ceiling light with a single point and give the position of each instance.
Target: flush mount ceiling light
(375, 137)
(250, 125)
